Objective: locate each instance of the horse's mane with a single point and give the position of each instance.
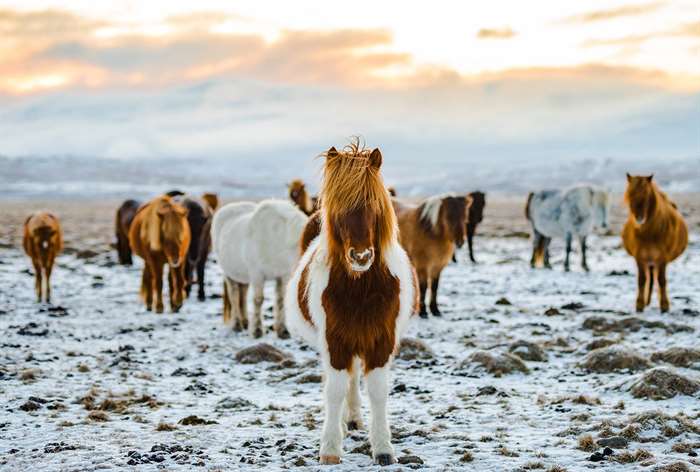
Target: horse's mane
(429, 211)
(151, 226)
(350, 182)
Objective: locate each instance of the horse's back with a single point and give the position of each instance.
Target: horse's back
(228, 232)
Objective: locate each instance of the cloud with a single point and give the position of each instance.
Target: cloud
(623, 11)
(491, 33)
(688, 30)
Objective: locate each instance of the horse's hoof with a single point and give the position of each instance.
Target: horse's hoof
(665, 307)
(201, 297)
(354, 425)
(330, 460)
(384, 459)
(283, 333)
(423, 314)
(257, 333)
(640, 308)
(435, 311)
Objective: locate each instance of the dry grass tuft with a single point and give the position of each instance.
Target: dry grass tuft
(613, 359)
(626, 457)
(587, 443)
(674, 467)
(165, 427)
(662, 383)
(97, 415)
(678, 356)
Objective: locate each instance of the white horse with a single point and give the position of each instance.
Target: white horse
(255, 243)
(568, 213)
(351, 297)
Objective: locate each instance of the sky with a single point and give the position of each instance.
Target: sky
(439, 81)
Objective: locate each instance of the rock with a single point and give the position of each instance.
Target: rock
(662, 383)
(599, 343)
(30, 405)
(608, 452)
(411, 349)
(614, 442)
(32, 329)
(614, 358)
(309, 378)
(194, 420)
(503, 301)
(528, 351)
(410, 459)
(552, 312)
(499, 364)
(678, 356)
(261, 352)
(573, 306)
(596, 457)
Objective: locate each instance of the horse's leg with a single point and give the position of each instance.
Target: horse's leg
(354, 400)
(663, 294)
(171, 286)
(188, 276)
(470, 240)
(642, 269)
(334, 391)
(38, 279)
(584, 262)
(423, 286)
(200, 278)
(243, 304)
(234, 293)
(433, 295)
(177, 291)
(547, 241)
(255, 322)
(147, 286)
(157, 273)
(47, 276)
(567, 267)
(227, 303)
(536, 247)
(280, 326)
(379, 432)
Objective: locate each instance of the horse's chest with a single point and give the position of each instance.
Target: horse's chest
(361, 318)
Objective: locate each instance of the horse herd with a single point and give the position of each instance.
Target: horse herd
(352, 266)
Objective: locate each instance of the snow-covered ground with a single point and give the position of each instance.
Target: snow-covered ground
(99, 344)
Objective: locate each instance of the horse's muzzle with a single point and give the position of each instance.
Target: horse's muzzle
(360, 261)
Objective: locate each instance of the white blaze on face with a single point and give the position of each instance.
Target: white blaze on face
(45, 244)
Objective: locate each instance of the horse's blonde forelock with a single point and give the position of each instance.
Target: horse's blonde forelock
(351, 182)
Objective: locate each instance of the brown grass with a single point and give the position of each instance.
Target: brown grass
(626, 457)
(587, 443)
(466, 457)
(678, 356)
(97, 415)
(675, 467)
(165, 427)
(614, 358)
(662, 383)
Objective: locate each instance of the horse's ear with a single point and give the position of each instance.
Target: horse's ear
(650, 178)
(331, 153)
(629, 177)
(375, 159)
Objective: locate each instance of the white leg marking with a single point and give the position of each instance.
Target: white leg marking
(379, 432)
(335, 390)
(354, 402)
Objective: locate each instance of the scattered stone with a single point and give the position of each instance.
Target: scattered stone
(309, 378)
(503, 301)
(615, 442)
(599, 343)
(663, 383)
(30, 405)
(596, 457)
(32, 329)
(52, 448)
(411, 349)
(498, 364)
(678, 356)
(261, 352)
(410, 459)
(631, 324)
(573, 306)
(613, 359)
(183, 372)
(194, 420)
(235, 404)
(552, 312)
(528, 351)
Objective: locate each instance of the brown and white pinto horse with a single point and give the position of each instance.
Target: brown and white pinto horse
(122, 223)
(429, 233)
(352, 295)
(42, 241)
(160, 234)
(301, 198)
(654, 234)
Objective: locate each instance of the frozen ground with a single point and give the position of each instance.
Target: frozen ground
(96, 382)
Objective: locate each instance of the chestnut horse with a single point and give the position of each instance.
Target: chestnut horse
(122, 223)
(43, 240)
(654, 234)
(351, 297)
(199, 215)
(429, 233)
(301, 198)
(160, 234)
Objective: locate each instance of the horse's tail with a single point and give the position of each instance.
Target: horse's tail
(527, 205)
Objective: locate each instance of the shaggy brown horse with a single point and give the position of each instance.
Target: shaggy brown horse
(43, 240)
(351, 297)
(160, 234)
(429, 233)
(654, 234)
(300, 197)
(122, 223)
(199, 216)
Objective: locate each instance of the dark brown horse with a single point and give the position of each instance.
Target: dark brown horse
(429, 233)
(476, 216)
(301, 198)
(199, 216)
(122, 223)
